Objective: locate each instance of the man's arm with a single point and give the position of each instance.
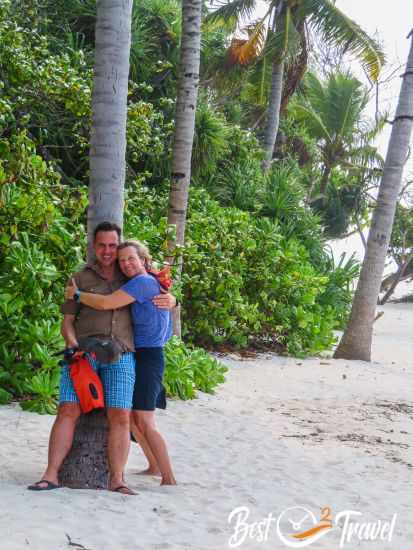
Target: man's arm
(165, 301)
(68, 331)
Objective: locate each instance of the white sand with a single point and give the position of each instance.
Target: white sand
(280, 433)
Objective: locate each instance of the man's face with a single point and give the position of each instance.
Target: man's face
(106, 247)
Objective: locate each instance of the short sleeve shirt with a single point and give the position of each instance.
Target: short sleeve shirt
(90, 322)
(151, 325)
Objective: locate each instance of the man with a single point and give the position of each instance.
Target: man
(102, 276)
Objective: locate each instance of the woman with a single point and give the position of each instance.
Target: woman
(152, 329)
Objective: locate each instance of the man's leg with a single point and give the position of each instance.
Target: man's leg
(61, 438)
(146, 422)
(152, 469)
(61, 435)
(118, 380)
(118, 445)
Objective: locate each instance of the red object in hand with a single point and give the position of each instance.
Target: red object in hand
(87, 384)
(163, 276)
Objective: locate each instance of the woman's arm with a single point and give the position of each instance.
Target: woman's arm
(100, 301)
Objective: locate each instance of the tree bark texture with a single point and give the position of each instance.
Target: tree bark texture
(273, 115)
(86, 465)
(185, 116)
(109, 109)
(184, 129)
(356, 341)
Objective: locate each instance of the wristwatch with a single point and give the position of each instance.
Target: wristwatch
(76, 296)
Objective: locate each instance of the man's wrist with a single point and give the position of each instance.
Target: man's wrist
(76, 296)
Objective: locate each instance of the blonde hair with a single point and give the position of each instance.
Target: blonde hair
(141, 249)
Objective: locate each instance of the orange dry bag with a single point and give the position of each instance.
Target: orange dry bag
(87, 384)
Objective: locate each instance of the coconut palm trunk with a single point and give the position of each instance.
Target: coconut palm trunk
(273, 114)
(184, 128)
(86, 465)
(108, 134)
(356, 341)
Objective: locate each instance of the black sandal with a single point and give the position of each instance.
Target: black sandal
(37, 486)
(128, 491)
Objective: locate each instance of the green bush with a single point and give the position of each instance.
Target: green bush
(190, 369)
(243, 281)
(255, 266)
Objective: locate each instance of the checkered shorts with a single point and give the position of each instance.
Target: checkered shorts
(118, 380)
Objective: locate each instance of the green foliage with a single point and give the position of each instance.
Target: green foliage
(244, 282)
(256, 270)
(210, 140)
(44, 386)
(42, 239)
(190, 369)
(402, 234)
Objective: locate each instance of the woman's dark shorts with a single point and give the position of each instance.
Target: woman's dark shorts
(149, 392)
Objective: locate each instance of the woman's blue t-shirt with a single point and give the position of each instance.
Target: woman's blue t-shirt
(152, 326)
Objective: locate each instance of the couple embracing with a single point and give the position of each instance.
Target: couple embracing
(97, 305)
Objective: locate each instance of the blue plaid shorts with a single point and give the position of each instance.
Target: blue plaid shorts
(118, 380)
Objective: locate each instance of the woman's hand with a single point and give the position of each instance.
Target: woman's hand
(70, 290)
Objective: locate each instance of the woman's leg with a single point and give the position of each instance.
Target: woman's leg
(152, 469)
(146, 423)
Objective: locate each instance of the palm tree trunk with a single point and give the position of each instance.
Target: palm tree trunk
(356, 341)
(86, 464)
(108, 133)
(184, 128)
(273, 117)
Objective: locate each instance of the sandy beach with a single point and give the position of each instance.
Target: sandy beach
(280, 433)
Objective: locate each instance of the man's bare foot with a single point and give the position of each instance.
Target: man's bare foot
(168, 481)
(150, 472)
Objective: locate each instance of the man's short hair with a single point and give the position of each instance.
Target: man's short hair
(107, 226)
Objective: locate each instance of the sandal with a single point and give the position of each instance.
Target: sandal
(38, 487)
(124, 490)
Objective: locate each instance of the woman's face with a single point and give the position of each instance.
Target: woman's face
(130, 263)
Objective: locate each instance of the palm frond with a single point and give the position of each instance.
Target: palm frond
(285, 41)
(234, 11)
(336, 28)
(244, 51)
(312, 121)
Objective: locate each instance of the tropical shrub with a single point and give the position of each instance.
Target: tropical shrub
(189, 369)
(244, 282)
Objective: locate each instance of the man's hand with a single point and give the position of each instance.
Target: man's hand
(70, 290)
(72, 343)
(68, 331)
(164, 301)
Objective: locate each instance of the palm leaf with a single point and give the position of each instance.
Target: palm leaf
(243, 51)
(336, 28)
(232, 11)
(312, 121)
(286, 39)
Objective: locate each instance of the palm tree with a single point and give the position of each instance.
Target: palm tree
(184, 127)
(332, 112)
(356, 341)
(108, 134)
(86, 465)
(282, 24)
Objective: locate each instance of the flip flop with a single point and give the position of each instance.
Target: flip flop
(37, 486)
(126, 490)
